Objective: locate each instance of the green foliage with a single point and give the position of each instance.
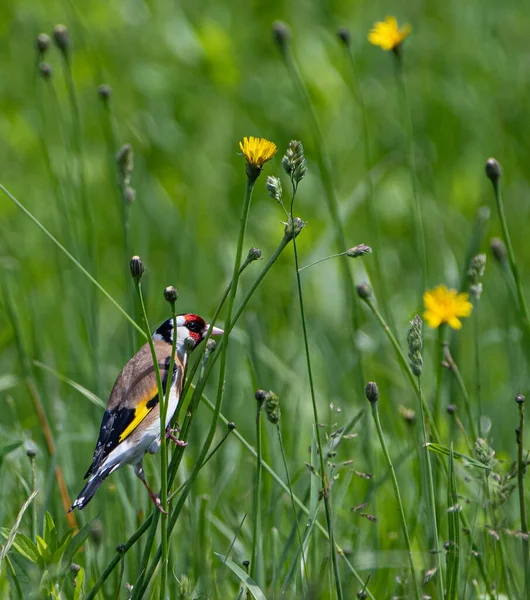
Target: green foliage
(187, 82)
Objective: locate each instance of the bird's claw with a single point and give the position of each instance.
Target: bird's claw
(170, 435)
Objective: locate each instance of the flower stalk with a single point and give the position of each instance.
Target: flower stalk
(373, 397)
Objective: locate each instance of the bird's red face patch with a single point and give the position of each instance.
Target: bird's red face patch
(196, 327)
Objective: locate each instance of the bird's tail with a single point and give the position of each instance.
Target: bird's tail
(91, 487)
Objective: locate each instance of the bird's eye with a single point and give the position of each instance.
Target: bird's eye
(193, 326)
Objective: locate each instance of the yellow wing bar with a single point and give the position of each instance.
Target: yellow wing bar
(144, 407)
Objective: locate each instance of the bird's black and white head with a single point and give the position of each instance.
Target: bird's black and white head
(191, 330)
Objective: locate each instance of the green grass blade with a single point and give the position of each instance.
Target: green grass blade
(445, 451)
(245, 579)
(14, 530)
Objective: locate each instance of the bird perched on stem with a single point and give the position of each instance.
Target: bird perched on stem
(131, 424)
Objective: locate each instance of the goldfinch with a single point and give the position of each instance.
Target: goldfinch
(131, 424)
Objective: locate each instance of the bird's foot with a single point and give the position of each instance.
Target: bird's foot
(170, 435)
(156, 501)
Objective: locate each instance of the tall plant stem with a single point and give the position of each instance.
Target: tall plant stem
(293, 505)
(405, 366)
(439, 370)
(71, 257)
(467, 401)
(163, 458)
(379, 429)
(326, 484)
(163, 444)
(36, 401)
(521, 470)
(255, 564)
(140, 589)
(411, 157)
(324, 164)
(523, 307)
(370, 198)
(432, 496)
(91, 245)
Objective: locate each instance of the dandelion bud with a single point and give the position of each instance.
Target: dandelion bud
(45, 70)
(31, 449)
(344, 36)
(274, 188)
(272, 407)
(104, 92)
(359, 250)
(451, 409)
(281, 35)
(493, 170)
(211, 345)
(294, 162)
(498, 249)
(372, 392)
(253, 254)
(171, 294)
(137, 268)
(231, 425)
(293, 228)
(260, 396)
(362, 595)
(415, 343)
(519, 399)
(43, 43)
(364, 291)
(61, 37)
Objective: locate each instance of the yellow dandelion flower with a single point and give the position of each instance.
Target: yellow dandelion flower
(445, 306)
(387, 34)
(257, 151)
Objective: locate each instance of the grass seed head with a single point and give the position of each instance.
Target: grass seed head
(137, 268)
(61, 37)
(43, 43)
(493, 170)
(498, 249)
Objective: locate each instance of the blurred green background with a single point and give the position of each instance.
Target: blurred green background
(188, 82)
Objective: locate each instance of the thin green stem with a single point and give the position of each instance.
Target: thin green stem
(161, 401)
(34, 518)
(476, 343)
(293, 505)
(220, 389)
(321, 260)
(326, 484)
(91, 245)
(163, 458)
(460, 381)
(432, 496)
(409, 140)
(523, 307)
(255, 572)
(521, 470)
(324, 164)
(439, 370)
(404, 364)
(74, 260)
(379, 429)
(373, 220)
(152, 520)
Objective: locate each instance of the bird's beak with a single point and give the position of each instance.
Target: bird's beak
(215, 330)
